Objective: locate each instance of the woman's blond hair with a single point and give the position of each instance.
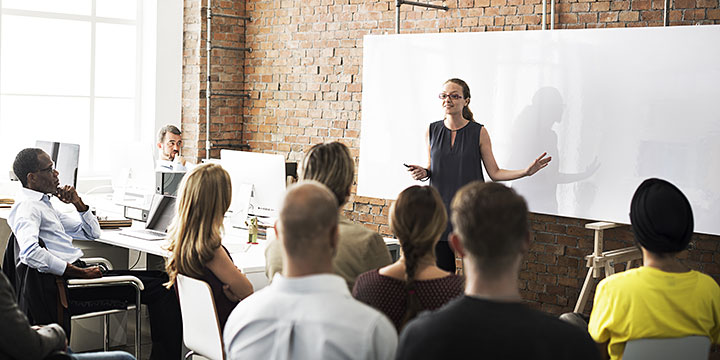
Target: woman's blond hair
(196, 232)
(332, 165)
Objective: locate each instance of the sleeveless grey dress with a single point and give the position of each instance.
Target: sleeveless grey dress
(453, 166)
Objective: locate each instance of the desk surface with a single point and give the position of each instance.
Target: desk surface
(247, 257)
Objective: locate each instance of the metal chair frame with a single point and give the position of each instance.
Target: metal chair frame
(111, 281)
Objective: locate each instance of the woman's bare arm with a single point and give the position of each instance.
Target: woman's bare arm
(235, 281)
(498, 174)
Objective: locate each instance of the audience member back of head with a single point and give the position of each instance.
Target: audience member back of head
(359, 249)
(413, 283)
(307, 311)
(491, 234)
(634, 304)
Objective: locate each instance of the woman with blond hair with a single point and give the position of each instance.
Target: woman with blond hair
(413, 283)
(196, 238)
(359, 248)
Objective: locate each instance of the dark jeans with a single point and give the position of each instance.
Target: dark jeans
(165, 318)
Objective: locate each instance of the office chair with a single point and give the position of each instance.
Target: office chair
(201, 328)
(687, 348)
(38, 294)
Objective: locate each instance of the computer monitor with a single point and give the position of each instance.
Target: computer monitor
(66, 158)
(264, 172)
(162, 212)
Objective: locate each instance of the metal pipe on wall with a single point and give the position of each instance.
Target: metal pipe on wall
(398, 3)
(208, 46)
(543, 19)
(665, 11)
(397, 16)
(552, 14)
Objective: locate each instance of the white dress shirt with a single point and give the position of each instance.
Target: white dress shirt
(34, 218)
(170, 166)
(310, 317)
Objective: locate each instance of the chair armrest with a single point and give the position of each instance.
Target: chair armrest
(107, 280)
(98, 260)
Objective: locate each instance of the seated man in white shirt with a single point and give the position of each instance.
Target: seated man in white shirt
(308, 312)
(44, 243)
(169, 145)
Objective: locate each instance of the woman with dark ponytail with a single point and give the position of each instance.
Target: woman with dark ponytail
(413, 283)
(457, 147)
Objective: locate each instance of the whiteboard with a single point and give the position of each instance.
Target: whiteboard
(611, 106)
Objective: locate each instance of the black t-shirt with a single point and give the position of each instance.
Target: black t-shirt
(481, 329)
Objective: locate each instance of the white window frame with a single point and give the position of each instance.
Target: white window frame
(94, 20)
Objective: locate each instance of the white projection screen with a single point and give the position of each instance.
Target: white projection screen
(611, 106)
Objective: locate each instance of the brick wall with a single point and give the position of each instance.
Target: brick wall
(226, 123)
(305, 80)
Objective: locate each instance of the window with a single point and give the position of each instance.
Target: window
(70, 71)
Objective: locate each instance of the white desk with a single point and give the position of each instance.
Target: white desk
(250, 258)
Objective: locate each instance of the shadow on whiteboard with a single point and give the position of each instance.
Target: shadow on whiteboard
(535, 128)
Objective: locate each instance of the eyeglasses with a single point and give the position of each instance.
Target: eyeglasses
(47, 169)
(443, 96)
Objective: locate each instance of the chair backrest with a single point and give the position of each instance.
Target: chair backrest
(687, 348)
(201, 329)
(9, 260)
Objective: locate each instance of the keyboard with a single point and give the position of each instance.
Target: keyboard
(145, 234)
(237, 248)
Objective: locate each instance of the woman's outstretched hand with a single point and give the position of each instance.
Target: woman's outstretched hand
(539, 163)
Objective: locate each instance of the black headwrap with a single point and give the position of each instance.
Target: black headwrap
(661, 217)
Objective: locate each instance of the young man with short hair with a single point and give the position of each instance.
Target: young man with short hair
(491, 234)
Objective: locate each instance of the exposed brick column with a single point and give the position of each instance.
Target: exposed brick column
(191, 81)
(226, 75)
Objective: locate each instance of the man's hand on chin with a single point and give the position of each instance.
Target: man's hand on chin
(69, 195)
(180, 160)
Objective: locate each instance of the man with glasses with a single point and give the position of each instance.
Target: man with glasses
(169, 145)
(45, 250)
(34, 218)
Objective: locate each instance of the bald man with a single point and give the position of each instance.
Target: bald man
(308, 312)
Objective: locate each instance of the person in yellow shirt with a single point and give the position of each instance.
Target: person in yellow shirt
(663, 298)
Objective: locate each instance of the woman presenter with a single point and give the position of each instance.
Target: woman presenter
(458, 146)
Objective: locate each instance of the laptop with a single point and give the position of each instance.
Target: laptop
(162, 212)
